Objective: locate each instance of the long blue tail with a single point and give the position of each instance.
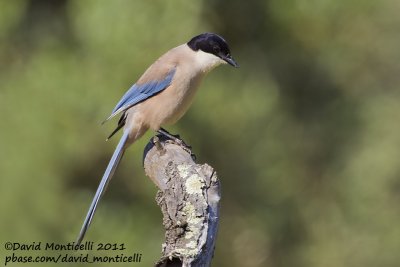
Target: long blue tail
(112, 166)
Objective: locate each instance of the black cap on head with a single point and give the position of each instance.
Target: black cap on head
(213, 44)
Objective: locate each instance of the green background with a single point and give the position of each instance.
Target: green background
(305, 135)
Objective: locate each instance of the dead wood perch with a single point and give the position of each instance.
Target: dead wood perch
(188, 196)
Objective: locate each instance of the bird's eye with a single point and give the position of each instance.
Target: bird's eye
(216, 48)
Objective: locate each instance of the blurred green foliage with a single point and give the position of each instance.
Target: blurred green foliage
(305, 136)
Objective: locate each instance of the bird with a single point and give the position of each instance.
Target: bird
(160, 97)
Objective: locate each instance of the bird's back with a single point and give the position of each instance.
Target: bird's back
(171, 104)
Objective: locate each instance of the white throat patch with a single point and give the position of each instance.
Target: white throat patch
(207, 61)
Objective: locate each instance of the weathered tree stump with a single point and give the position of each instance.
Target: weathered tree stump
(188, 196)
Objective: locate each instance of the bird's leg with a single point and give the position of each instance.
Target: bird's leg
(174, 137)
(177, 139)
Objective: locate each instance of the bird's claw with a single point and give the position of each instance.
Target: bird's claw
(188, 148)
(175, 138)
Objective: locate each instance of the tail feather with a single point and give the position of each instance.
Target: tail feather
(112, 166)
(121, 123)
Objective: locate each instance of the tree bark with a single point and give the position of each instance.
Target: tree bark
(188, 196)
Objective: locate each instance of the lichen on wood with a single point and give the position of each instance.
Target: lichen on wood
(188, 196)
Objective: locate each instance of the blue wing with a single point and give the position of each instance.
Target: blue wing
(138, 93)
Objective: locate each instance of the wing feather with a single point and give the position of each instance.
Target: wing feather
(142, 91)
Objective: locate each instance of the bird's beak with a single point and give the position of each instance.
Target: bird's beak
(229, 59)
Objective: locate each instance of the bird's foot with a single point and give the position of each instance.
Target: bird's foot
(178, 140)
